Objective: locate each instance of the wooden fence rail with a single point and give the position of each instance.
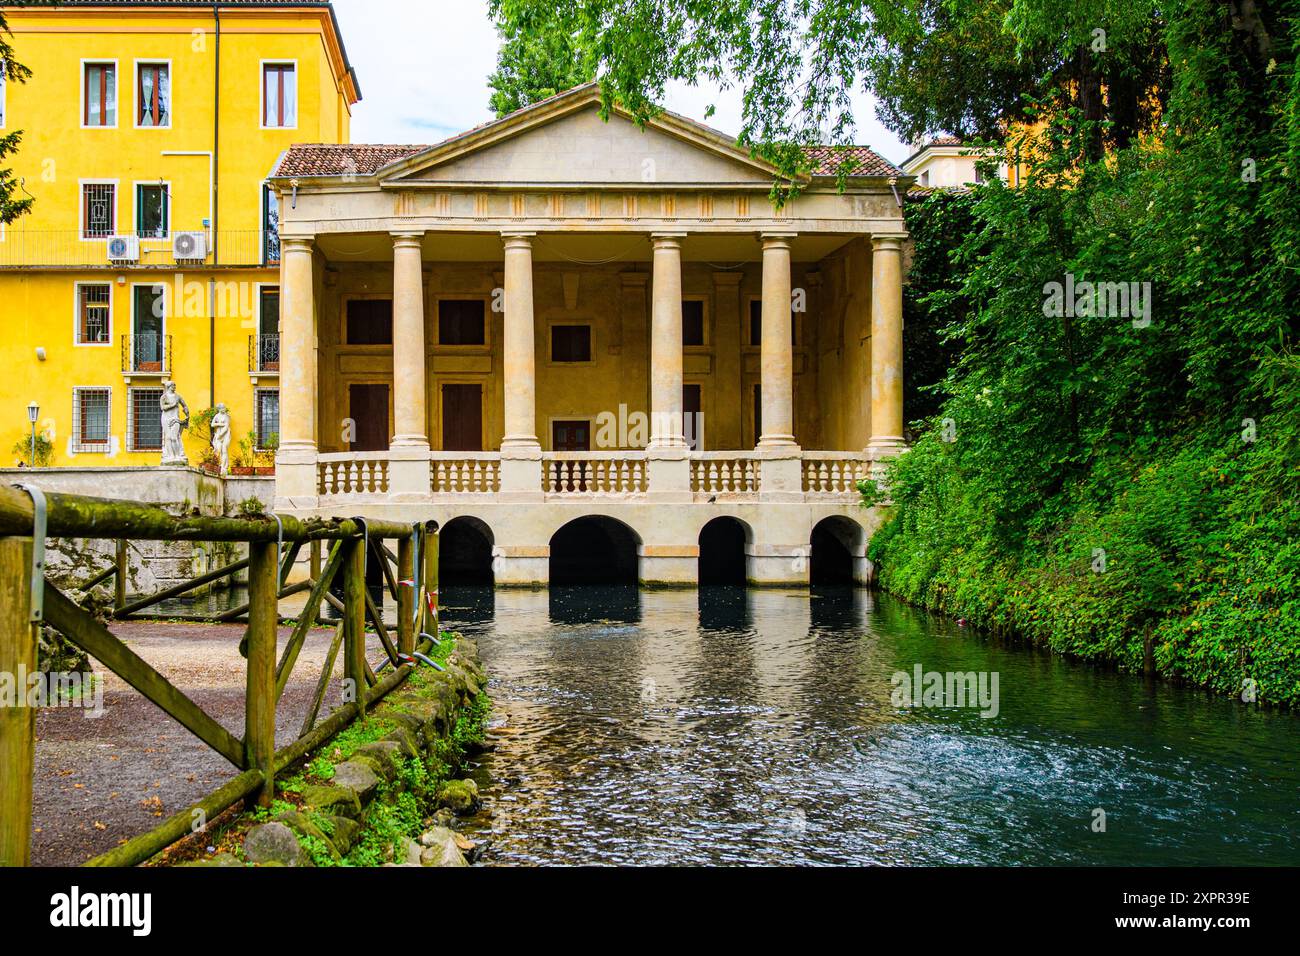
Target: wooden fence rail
(410, 575)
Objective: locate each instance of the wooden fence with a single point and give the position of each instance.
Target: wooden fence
(28, 598)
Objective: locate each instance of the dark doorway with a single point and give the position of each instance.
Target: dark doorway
(465, 553)
(834, 543)
(722, 552)
(368, 409)
(594, 550)
(462, 418)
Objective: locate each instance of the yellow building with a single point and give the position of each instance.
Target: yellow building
(151, 252)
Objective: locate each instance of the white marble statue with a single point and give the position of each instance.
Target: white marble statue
(221, 437)
(173, 426)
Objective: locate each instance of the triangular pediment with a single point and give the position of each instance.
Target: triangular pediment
(565, 142)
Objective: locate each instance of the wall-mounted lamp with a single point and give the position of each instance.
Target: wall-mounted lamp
(40, 353)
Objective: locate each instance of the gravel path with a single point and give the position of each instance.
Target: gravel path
(102, 780)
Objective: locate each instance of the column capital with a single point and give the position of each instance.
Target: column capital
(297, 243)
(776, 240)
(887, 243)
(406, 240)
(518, 240)
(667, 240)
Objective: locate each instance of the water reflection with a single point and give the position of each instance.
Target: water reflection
(726, 726)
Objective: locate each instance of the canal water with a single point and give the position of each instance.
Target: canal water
(728, 726)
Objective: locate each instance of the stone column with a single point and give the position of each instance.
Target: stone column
(886, 347)
(666, 343)
(668, 466)
(780, 475)
(295, 460)
(408, 469)
(777, 358)
(521, 454)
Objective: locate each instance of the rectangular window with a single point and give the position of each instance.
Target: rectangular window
(370, 322)
(151, 212)
(571, 343)
(756, 324)
(98, 210)
(148, 345)
(270, 227)
(279, 95)
(99, 94)
(692, 322)
(268, 418)
(144, 419)
(90, 419)
(461, 322)
(154, 94)
(93, 304)
(268, 330)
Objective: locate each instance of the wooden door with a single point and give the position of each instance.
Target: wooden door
(692, 417)
(368, 409)
(462, 418)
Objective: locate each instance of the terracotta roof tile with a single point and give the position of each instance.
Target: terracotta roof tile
(862, 160)
(322, 159)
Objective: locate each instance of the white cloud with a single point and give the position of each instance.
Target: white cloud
(423, 68)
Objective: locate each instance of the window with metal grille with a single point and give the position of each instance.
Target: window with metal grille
(154, 94)
(570, 343)
(370, 321)
(268, 417)
(461, 322)
(144, 425)
(151, 216)
(90, 419)
(93, 304)
(100, 95)
(99, 210)
(279, 95)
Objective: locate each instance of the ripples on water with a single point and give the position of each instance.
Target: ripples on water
(732, 726)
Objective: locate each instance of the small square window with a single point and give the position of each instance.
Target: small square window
(99, 94)
(279, 95)
(90, 419)
(154, 95)
(370, 322)
(98, 210)
(571, 343)
(461, 322)
(268, 418)
(144, 429)
(692, 322)
(151, 212)
(93, 304)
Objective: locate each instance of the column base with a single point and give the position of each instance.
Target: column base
(521, 471)
(408, 470)
(295, 478)
(668, 473)
(885, 446)
(780, 476)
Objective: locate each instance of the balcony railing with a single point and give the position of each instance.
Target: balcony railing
(264, 353)
(59, 248)
(146, 353)
(715, 476)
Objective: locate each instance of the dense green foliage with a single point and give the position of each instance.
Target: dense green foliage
(540, 55)
(1108, 483)
(13, 199)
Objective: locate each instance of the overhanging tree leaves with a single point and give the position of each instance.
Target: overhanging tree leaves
(11, 204)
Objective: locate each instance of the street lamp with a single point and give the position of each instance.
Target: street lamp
(33, 413)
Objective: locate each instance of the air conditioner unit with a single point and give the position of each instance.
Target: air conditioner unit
(123, 249)
(190, 245)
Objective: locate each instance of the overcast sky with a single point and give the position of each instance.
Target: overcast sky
(424, 64)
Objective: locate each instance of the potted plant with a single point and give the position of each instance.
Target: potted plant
(241, 457)
(264, 457)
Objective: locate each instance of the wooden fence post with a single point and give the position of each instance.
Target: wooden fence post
(354, 619)
(406, 596)
(119, 580)
(259, 703)
(430, 618)
(17, 720)
(315, 560)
